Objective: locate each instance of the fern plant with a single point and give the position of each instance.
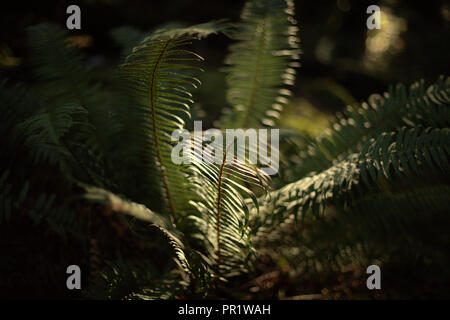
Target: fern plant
(261, 64)
(380, 170)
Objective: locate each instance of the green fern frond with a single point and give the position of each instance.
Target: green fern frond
(129, 280)
(45, 134)
(118, 204)
(64, 77)
(141, 212)
(421, 106)
(58, 137)
(223, 215)
(157, 74)
(198, 31)
(261, 63)
(164, 290)
(405, 154)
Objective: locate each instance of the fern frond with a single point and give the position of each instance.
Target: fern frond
(64, 77)
(129, 280)
(45, 134)
(261, 63)
(139, 211)
(405, 154)
(157, 74)
(420, 106)
(118, 204)
(58, 137)
(223, 215)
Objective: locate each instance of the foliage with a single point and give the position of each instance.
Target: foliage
(375, 182)
(260, 63)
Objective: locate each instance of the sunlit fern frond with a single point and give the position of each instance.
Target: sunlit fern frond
(399, 107)
(402, 155)
(159, 76)
(261, 63)
(223, 214)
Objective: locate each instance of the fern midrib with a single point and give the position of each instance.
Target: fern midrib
(255, 81)
(219, 213)
(155, 132)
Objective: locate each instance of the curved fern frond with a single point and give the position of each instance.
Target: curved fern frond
(261, 63)
(428, 107)
(141, 212)
(130, 280)
(128, 37)
(223, 214)
(158, 76)
(405, 154)
(118, 204)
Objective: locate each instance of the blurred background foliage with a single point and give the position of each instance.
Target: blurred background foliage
(342, 61)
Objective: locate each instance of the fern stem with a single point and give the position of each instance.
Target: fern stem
(219, 201)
